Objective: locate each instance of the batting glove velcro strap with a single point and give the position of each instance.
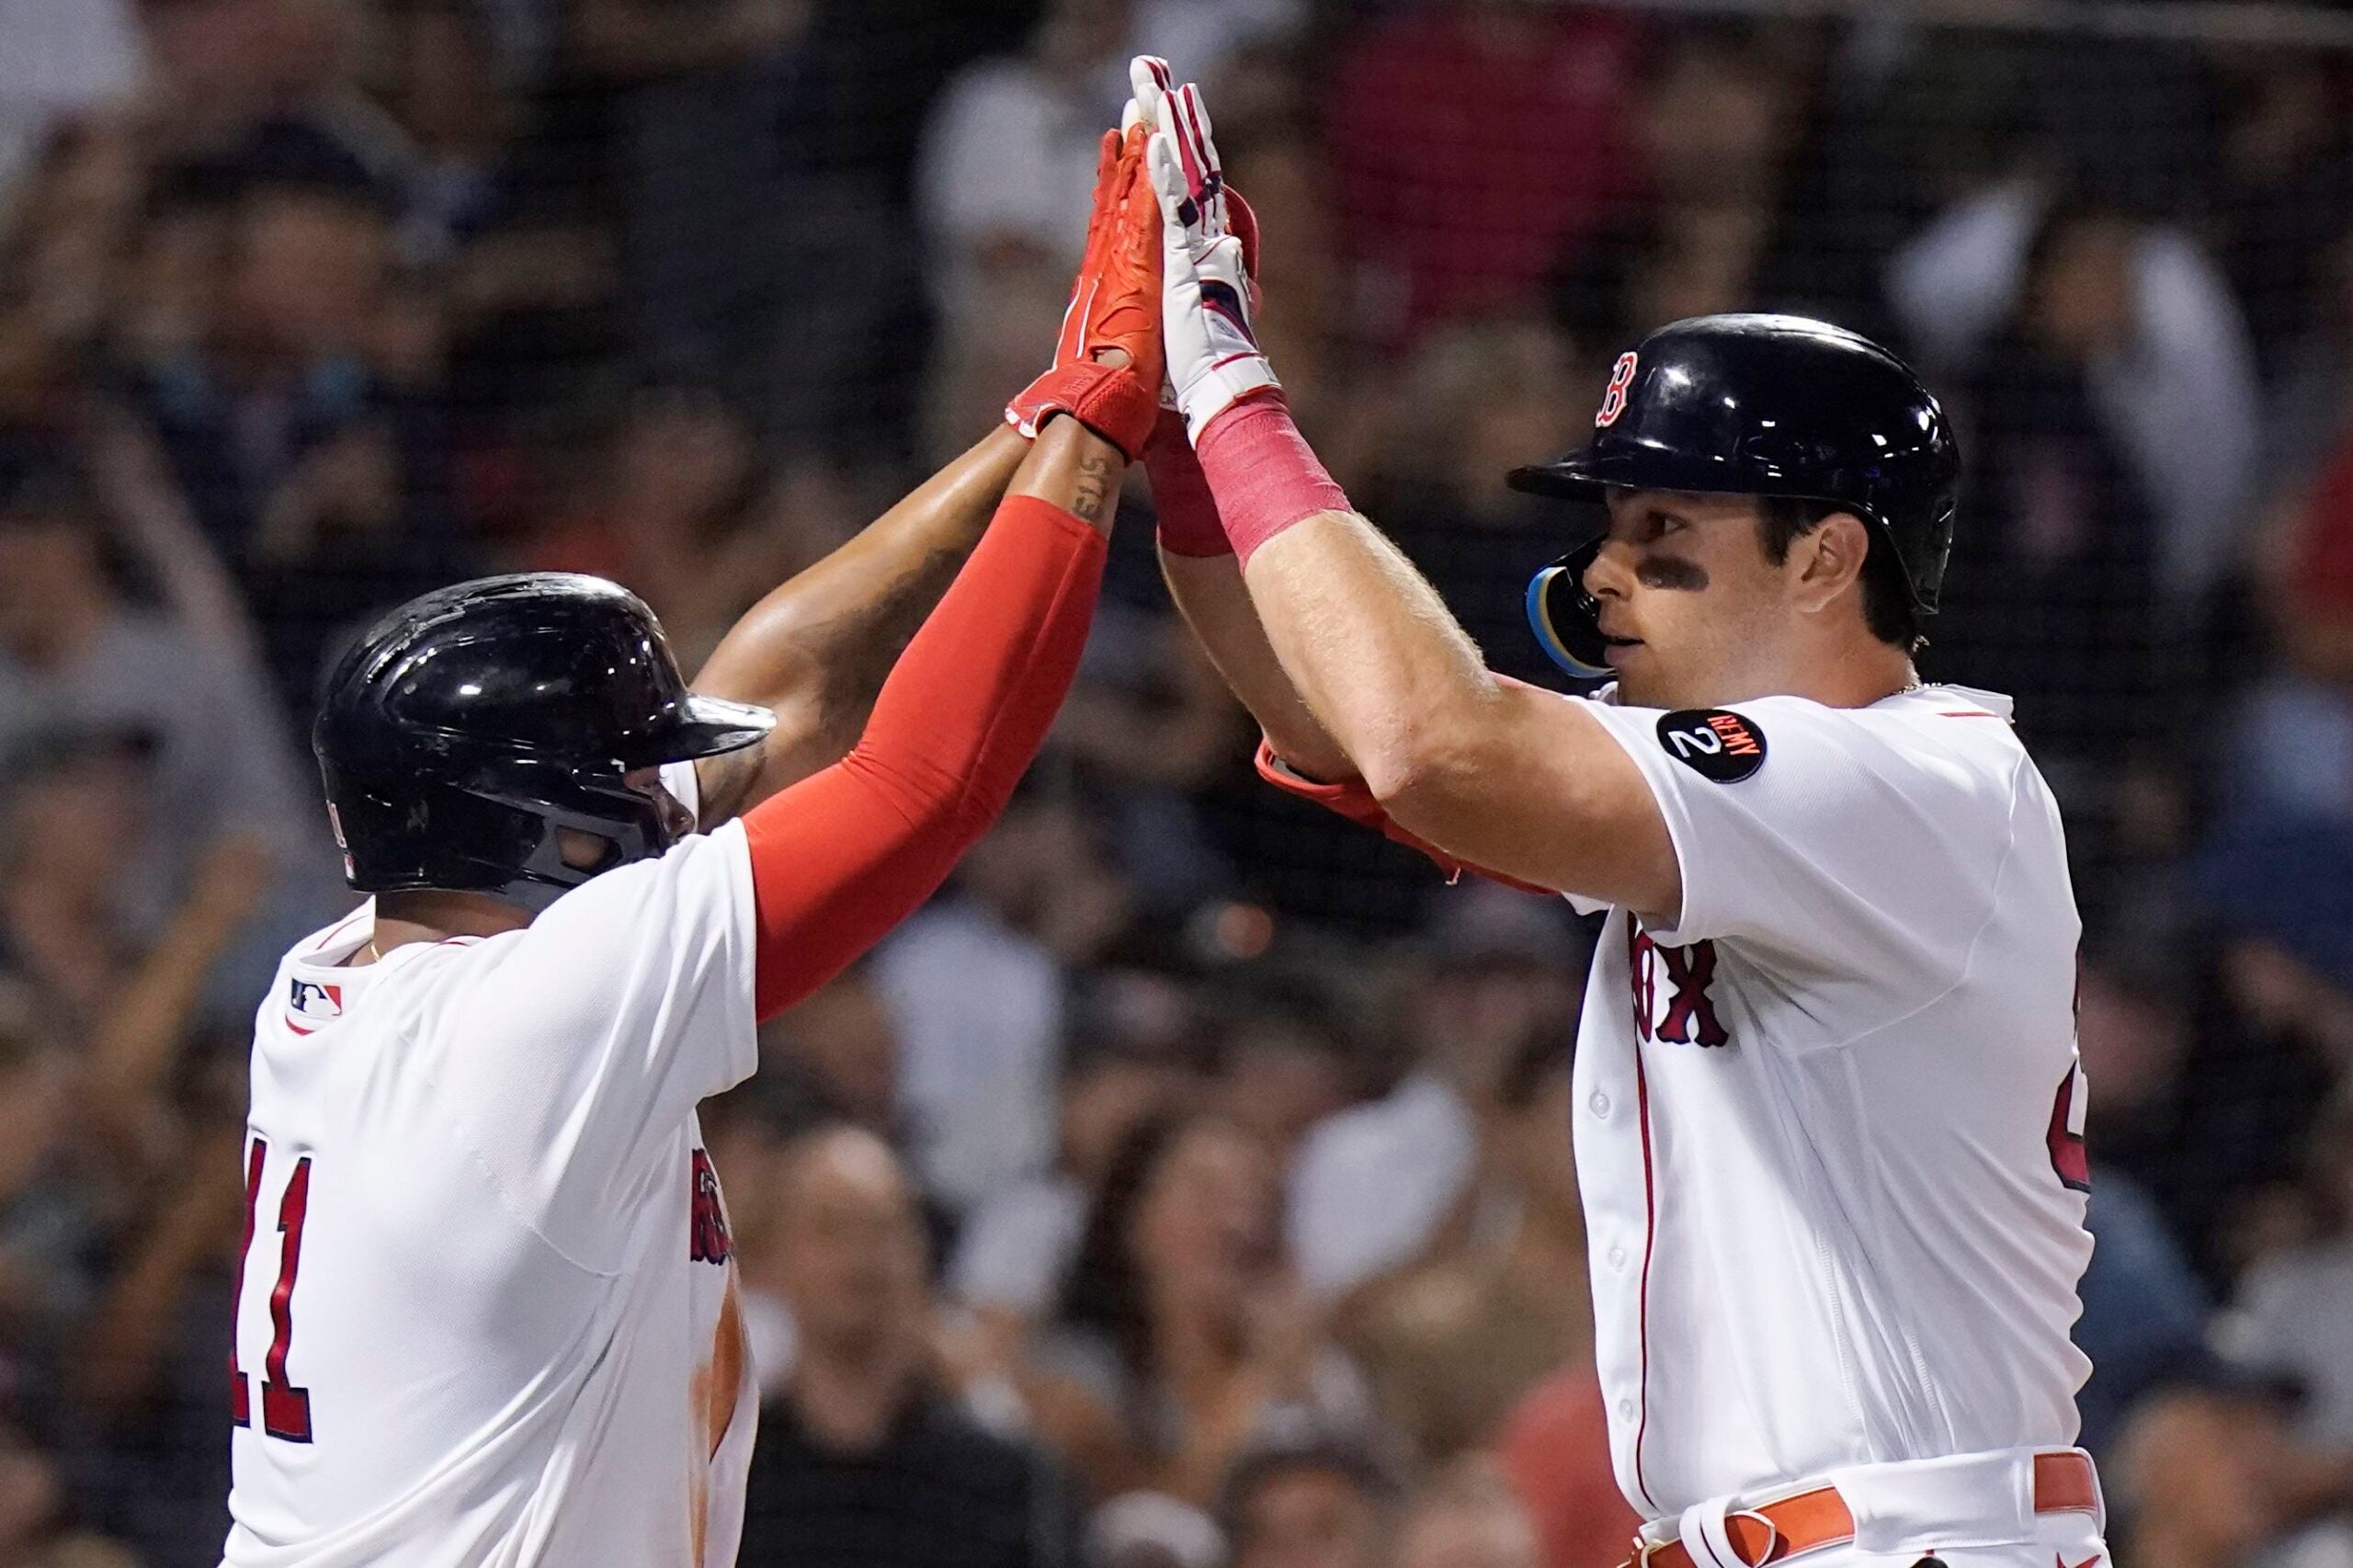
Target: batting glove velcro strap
(1113, 402)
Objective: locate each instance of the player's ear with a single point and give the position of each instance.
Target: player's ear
(1826, 560)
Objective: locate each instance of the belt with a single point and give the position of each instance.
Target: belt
(1819, 1518)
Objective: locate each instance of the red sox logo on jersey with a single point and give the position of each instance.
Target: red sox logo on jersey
(707, 1238)
(1671, 1000)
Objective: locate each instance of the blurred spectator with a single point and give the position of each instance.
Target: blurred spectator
(65, 60)
(749, 264)
(2311, 401)
(46, 1273)
(78, 806)
(837, 1054)
(2163, 346)
(2134, 1029)
(1151, 1530)
(2206, 1474)
(145, 1370)
(976, 985)
(2186, 1480)
(1150, 722)
(2292, 754)
(1283, 1065)
(241, 81)
(31, 1498)
(1018, 1245)
(1302, 1495)
(320, 481)
(1466, 1518)
(1199, 37)
(1450, 1345)
(2283, 182)
(1475, 141)
(1477, 397)
(701, 91)
(1002, 186)
(1720, 112)
(671, 509)
(1181, 1330)
(1303, 319)
(2276, 899)
(2144, 1310)
(75, 655)
(2054, 584)
(1555, 1448)
(1008, 161)
(2295, 1305)
(1375, 1186)
(1924, 113)
(866, 1457)
(446, 95)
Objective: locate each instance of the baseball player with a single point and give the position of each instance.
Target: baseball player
(486, 1313)
(1829, 1117)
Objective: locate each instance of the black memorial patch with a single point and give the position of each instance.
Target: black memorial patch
(1713, 743)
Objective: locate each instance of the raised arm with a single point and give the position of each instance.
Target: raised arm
(816, 649)
(1205, 581)
(1520, 781)
(844, 856)
(841, 857)
(1195, 557)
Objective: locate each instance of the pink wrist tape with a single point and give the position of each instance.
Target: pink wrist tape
(1263, 473)
(1180, 492)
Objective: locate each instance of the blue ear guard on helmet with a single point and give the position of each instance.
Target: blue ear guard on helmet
(1566, 621)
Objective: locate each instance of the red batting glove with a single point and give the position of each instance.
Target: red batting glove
(1114, 304)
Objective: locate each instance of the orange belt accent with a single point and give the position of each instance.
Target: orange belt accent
(2063, 1482)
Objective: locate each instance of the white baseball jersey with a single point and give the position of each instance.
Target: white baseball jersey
(487, 1314)
(1828, 1126)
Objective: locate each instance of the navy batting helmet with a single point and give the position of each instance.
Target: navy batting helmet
(471, 723)
(1755, 405)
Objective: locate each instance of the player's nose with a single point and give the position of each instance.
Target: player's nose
(1610, 574)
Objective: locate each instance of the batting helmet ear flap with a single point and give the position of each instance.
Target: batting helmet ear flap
(1565, 619)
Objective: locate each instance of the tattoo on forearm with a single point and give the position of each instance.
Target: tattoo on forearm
(1093, 487)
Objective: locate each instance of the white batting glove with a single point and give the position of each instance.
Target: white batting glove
(1213, 353)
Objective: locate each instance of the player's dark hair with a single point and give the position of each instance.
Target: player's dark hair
(1887, 598)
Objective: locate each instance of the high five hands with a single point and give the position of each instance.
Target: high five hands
(1108, 369)
(1160, 312)
(1209, 253)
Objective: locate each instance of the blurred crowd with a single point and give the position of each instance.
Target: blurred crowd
(1190, 1183)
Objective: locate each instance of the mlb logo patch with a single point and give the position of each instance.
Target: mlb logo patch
(310, 999)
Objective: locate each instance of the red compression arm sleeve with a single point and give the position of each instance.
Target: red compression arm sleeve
(1180, 492)
(848, 853)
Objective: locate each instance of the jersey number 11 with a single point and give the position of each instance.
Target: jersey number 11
(285, 1409)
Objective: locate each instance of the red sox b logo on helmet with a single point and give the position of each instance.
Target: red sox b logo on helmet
(1613, 396)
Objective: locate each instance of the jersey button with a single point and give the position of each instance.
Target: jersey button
(1618, 1259)
(1625, 1410)
(1600, 1103)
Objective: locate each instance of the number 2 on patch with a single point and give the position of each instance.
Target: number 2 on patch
(285, 1409)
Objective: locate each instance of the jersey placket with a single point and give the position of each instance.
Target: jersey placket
(1615, 1171)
